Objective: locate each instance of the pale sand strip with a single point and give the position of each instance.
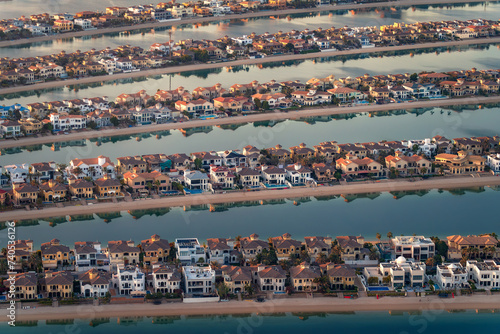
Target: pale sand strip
(205, 66)
(236, 17)
(319, 304)
(177, 201)
(88, 134)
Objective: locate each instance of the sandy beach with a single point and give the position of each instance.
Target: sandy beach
(205, 66)
(209, 198)
(233, 17)
(319, 304)
(88, 134)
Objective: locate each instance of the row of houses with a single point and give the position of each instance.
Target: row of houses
(216, 101)
(251, 168)
(46, 24)
(129, 58)
(150, 266)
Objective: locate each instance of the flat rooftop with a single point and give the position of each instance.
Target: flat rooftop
(187, 242)
(194, 273)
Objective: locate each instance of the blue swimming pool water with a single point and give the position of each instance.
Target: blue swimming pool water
(194, 191)
(377, 288)
(275, 186)
(208, 117)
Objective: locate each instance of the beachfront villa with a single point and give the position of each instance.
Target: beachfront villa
(53, 191)
(190, 251)
(26, 285)
(155, 250)
(22, 252)
(486, 275)
(56, 284)
(199, 281)
(94, 283)
(269, 278)
(221, 250)
(80, 188)
(129, 280)
(493, 161)
(17, 173)
(450, 276)
(131, 164)
(251, 246)
(89, 255)
(237, 279)
(92, 167)
(285, 246)
(166, 278)
(405, 165)
(24, 193)
(352, 248)
(318, 245)
(55, 255)
(303, 277)
(249, 177)
(340, 276)
(221, 177)
(351, 165)
(196, 180)
(273, 175)
(107, 187)
(483, 246)
(404, 272)
(122, 252)
(461, 163)
(418, 248)
(44, 171)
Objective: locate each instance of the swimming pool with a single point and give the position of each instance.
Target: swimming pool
(193, 191)
(275, 186)
(205, 117)
(377, 288)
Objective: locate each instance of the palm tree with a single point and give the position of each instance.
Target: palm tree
(322, 258)
(78, 171)
(378, 236)
(389, 235)
(61, 167)
(490, 251)
(157, 185)
(237, 239)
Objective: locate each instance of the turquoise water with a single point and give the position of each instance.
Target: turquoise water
(439, 213)
(232, 28)
(430, 322)
(441, 59)
(397, 125)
